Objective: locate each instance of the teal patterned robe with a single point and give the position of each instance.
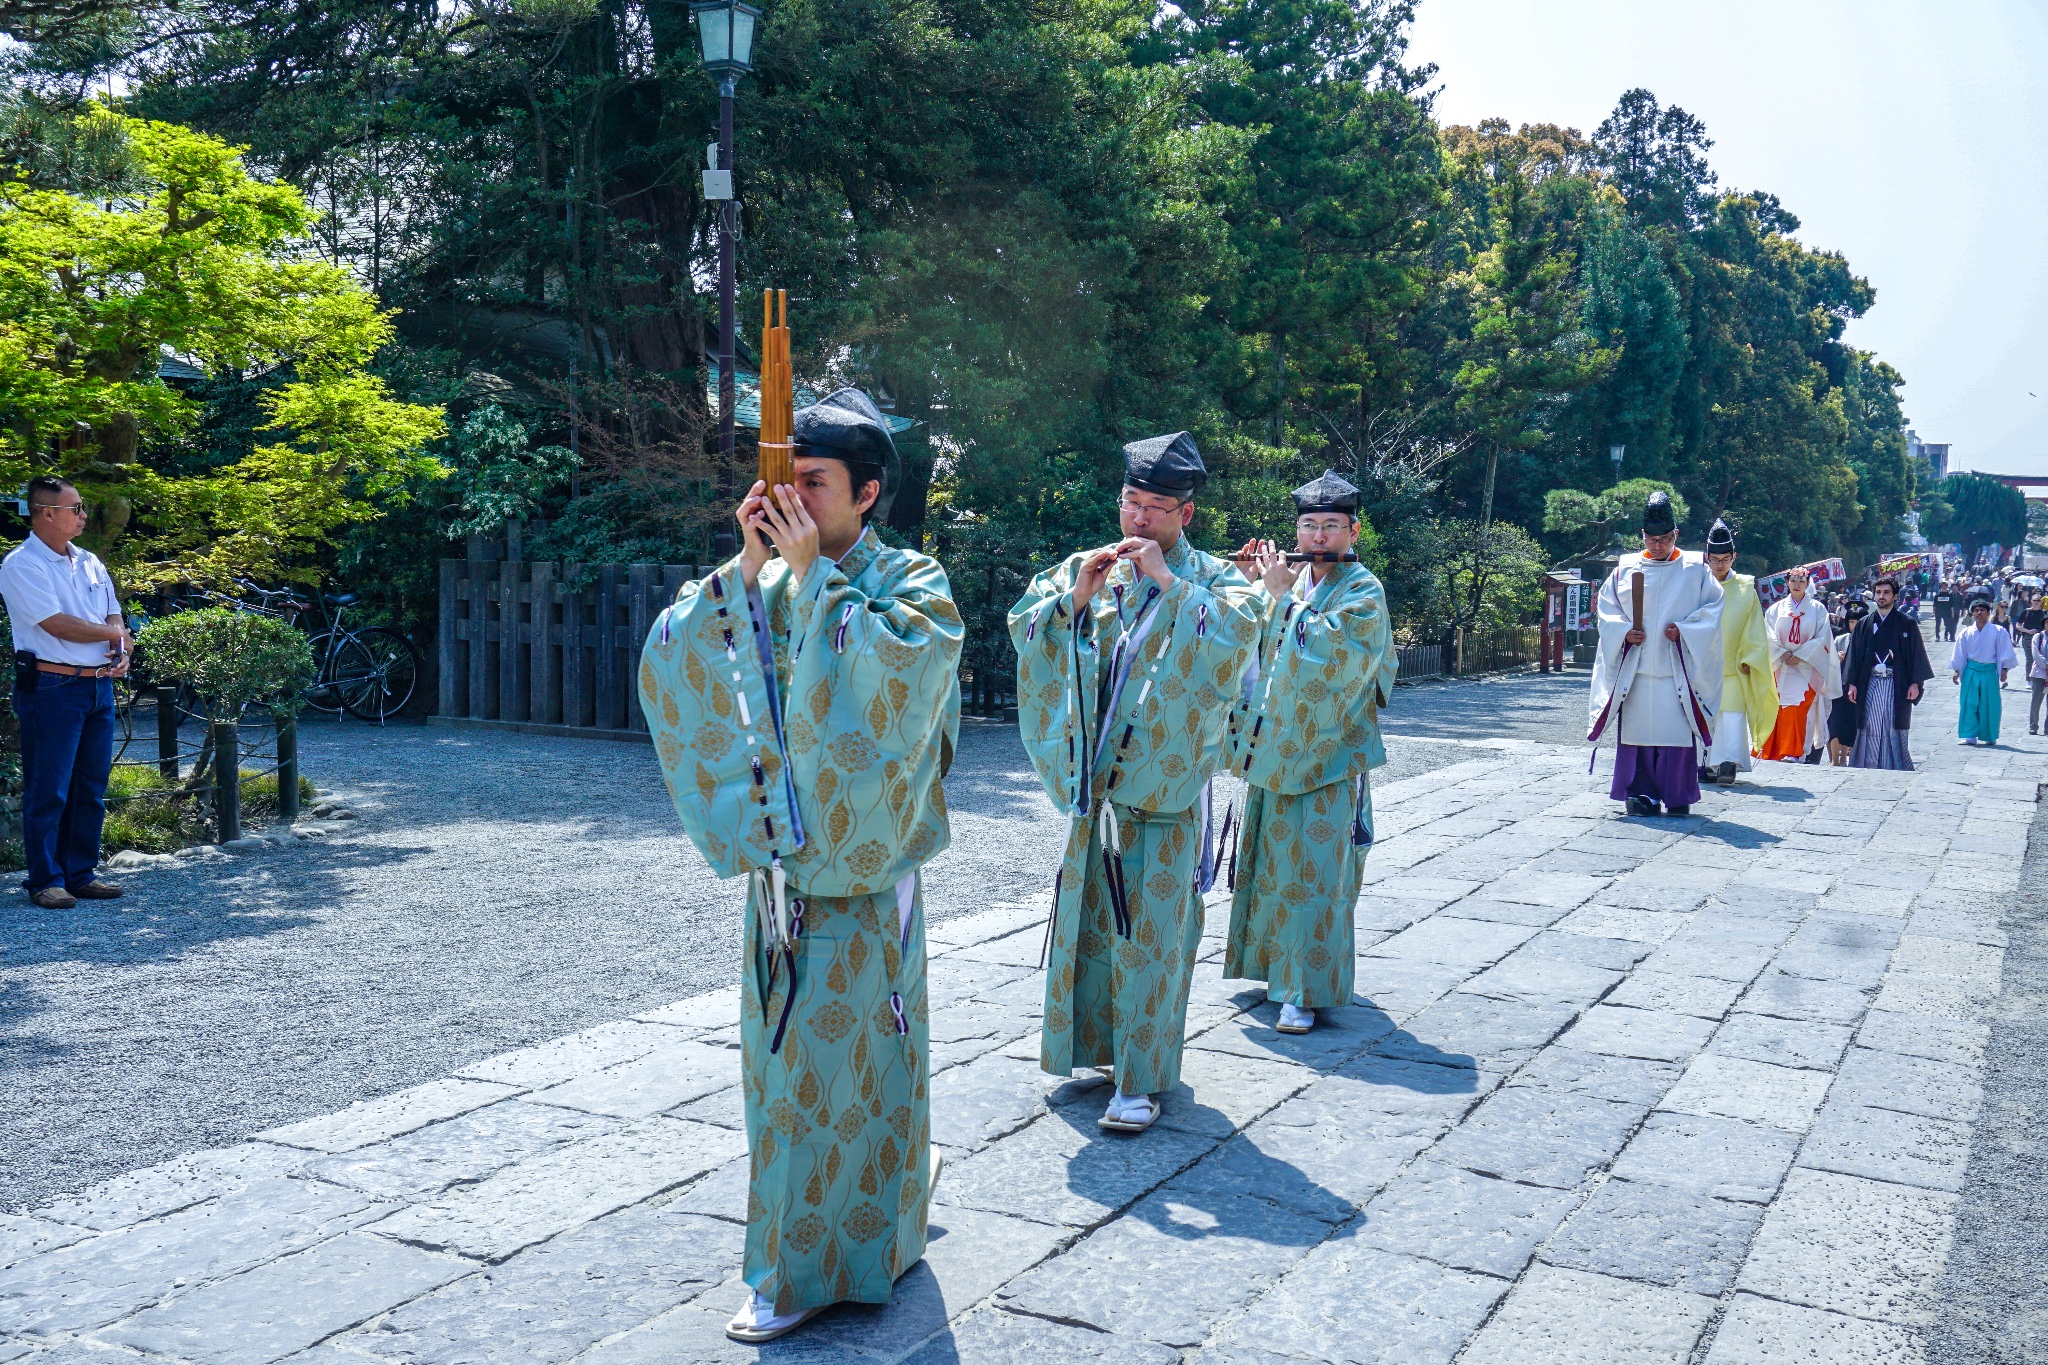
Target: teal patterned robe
(1123, 714)
(804, 734)
(1303, 736)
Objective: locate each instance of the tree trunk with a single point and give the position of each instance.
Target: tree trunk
(118, 438)
(1486, 500)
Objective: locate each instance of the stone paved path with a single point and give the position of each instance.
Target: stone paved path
(1615, 1090)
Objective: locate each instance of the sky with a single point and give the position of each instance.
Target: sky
(1911, 137)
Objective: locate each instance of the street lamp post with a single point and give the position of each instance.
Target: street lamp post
(1615, 453)
(725, 34)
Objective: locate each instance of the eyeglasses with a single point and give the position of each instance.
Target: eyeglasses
(1322, 528)
(77, 508)
(1127, 505)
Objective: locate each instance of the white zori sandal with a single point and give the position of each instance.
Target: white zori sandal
(1129, 1113)
(757, 1320)
(1295, 1019)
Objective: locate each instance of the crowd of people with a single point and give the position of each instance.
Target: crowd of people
(1700, 680)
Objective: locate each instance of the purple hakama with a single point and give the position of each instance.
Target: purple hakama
(1669, 774)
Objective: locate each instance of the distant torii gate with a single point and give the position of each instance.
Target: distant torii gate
(2020, 481)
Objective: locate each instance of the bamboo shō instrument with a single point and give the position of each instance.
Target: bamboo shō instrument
(777, 392)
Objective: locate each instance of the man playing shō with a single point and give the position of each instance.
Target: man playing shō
(1303, 737)
(1749, 704)
(1127, 659)
(804, 710)
(1658, 681)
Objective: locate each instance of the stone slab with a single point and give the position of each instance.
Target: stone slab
(709, 1010)
(1655, 1035)
(169, 1186)
(990, 1336)
(288, 1304)
(1170, 1270)
(1064, 1170)
(1657, 1234)
(1351, 1304)
(669, 1076)
(576, 1054)
(1716, 1157)
(1465, 1221)
(1221, 1092)
(1854, 1246)
(1935, 1037)
(1462, 1029)
(1543, 1137)
(95, 1282)
(1558, 1315)
(460, 1149)
(388, 1116)
(23, 1236)
(1782, 1042)
(1886, 1144)
(1800, 997)
(1755, 1092)
(1709, 997)
(1757, 1331)
(1631, 1080)
(992, 1097)
(546, 1195)
(1467, 943)
(1911, 1085)
(1339, 1035)
(554, 1300)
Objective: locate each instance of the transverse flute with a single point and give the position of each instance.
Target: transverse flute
(1306, 557)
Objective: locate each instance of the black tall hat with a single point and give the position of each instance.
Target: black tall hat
(846, 425)
(1326, 493)
(1167, 465)
(1720, 540)
(1657, 518)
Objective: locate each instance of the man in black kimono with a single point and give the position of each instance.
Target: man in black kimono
(1887, 664)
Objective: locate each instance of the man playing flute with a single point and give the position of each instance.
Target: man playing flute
(804, 710)
(1127, 659)
(1657, 675)
(1303, 737)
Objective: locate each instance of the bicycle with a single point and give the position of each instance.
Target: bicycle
(371, 672)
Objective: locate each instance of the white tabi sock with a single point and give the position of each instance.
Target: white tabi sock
(757, 1314)
(1295, 1016)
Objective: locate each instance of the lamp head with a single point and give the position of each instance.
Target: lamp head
(725, 35)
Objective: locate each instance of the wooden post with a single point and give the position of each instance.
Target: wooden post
(545, 667)
(575, 698)
(288, 768)
(610, 712)
(511, 658)
(449, 680)
(639, 618)
(227, 781)
(481, 576)
(167, 731)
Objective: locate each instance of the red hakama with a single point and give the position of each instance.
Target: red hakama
(1788, 737)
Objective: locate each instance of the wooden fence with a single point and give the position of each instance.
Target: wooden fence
(521, 649)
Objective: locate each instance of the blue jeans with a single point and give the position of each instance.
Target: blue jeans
(67, 750)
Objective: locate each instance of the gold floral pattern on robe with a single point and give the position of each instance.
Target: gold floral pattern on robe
(1110, 999)
(1305, 736)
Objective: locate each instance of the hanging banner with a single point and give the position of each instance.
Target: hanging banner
(1929, 562)
(1772, 588)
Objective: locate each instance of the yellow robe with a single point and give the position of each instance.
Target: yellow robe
(1745, 641)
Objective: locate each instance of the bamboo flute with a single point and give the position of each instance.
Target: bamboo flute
(777, 392)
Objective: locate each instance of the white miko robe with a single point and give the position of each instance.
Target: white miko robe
(1808, 662)
(1666, 692)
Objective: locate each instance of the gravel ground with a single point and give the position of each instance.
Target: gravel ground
(1994, 1297)
(497, 889)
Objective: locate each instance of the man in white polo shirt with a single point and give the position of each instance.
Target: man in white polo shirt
(70, 642)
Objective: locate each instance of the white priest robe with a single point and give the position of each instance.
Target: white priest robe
(1802, 659)
(1664, 692)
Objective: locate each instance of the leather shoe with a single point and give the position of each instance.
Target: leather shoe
(54, 897)
(1641, 805)
(97, 890)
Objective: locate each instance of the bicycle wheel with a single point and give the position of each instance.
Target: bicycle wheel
(376, 672)
(325, 694)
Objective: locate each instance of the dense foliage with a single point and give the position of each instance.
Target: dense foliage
(1041, 231)
(231, 660)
